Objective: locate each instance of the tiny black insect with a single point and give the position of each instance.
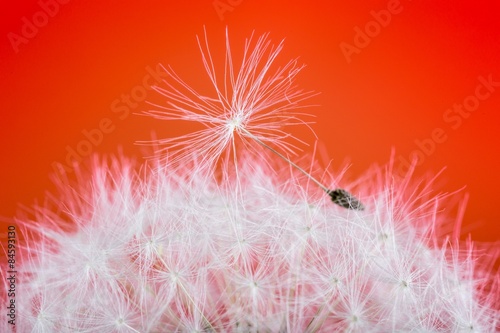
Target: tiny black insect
(345, 199)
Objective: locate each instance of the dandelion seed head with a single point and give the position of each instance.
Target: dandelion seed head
(254, 250)
(267, 262)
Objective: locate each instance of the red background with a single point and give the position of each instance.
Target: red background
(65, 77)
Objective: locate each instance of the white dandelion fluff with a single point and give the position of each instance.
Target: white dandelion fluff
(165, 249)
(253, 100)
(156, 254)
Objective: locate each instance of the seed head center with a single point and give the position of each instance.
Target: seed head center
(234, 123)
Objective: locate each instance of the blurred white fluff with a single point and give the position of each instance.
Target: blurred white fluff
(166, 251)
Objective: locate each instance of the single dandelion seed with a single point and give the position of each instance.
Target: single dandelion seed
(253, 103)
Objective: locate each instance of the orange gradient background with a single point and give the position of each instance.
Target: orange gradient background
(64, 80)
